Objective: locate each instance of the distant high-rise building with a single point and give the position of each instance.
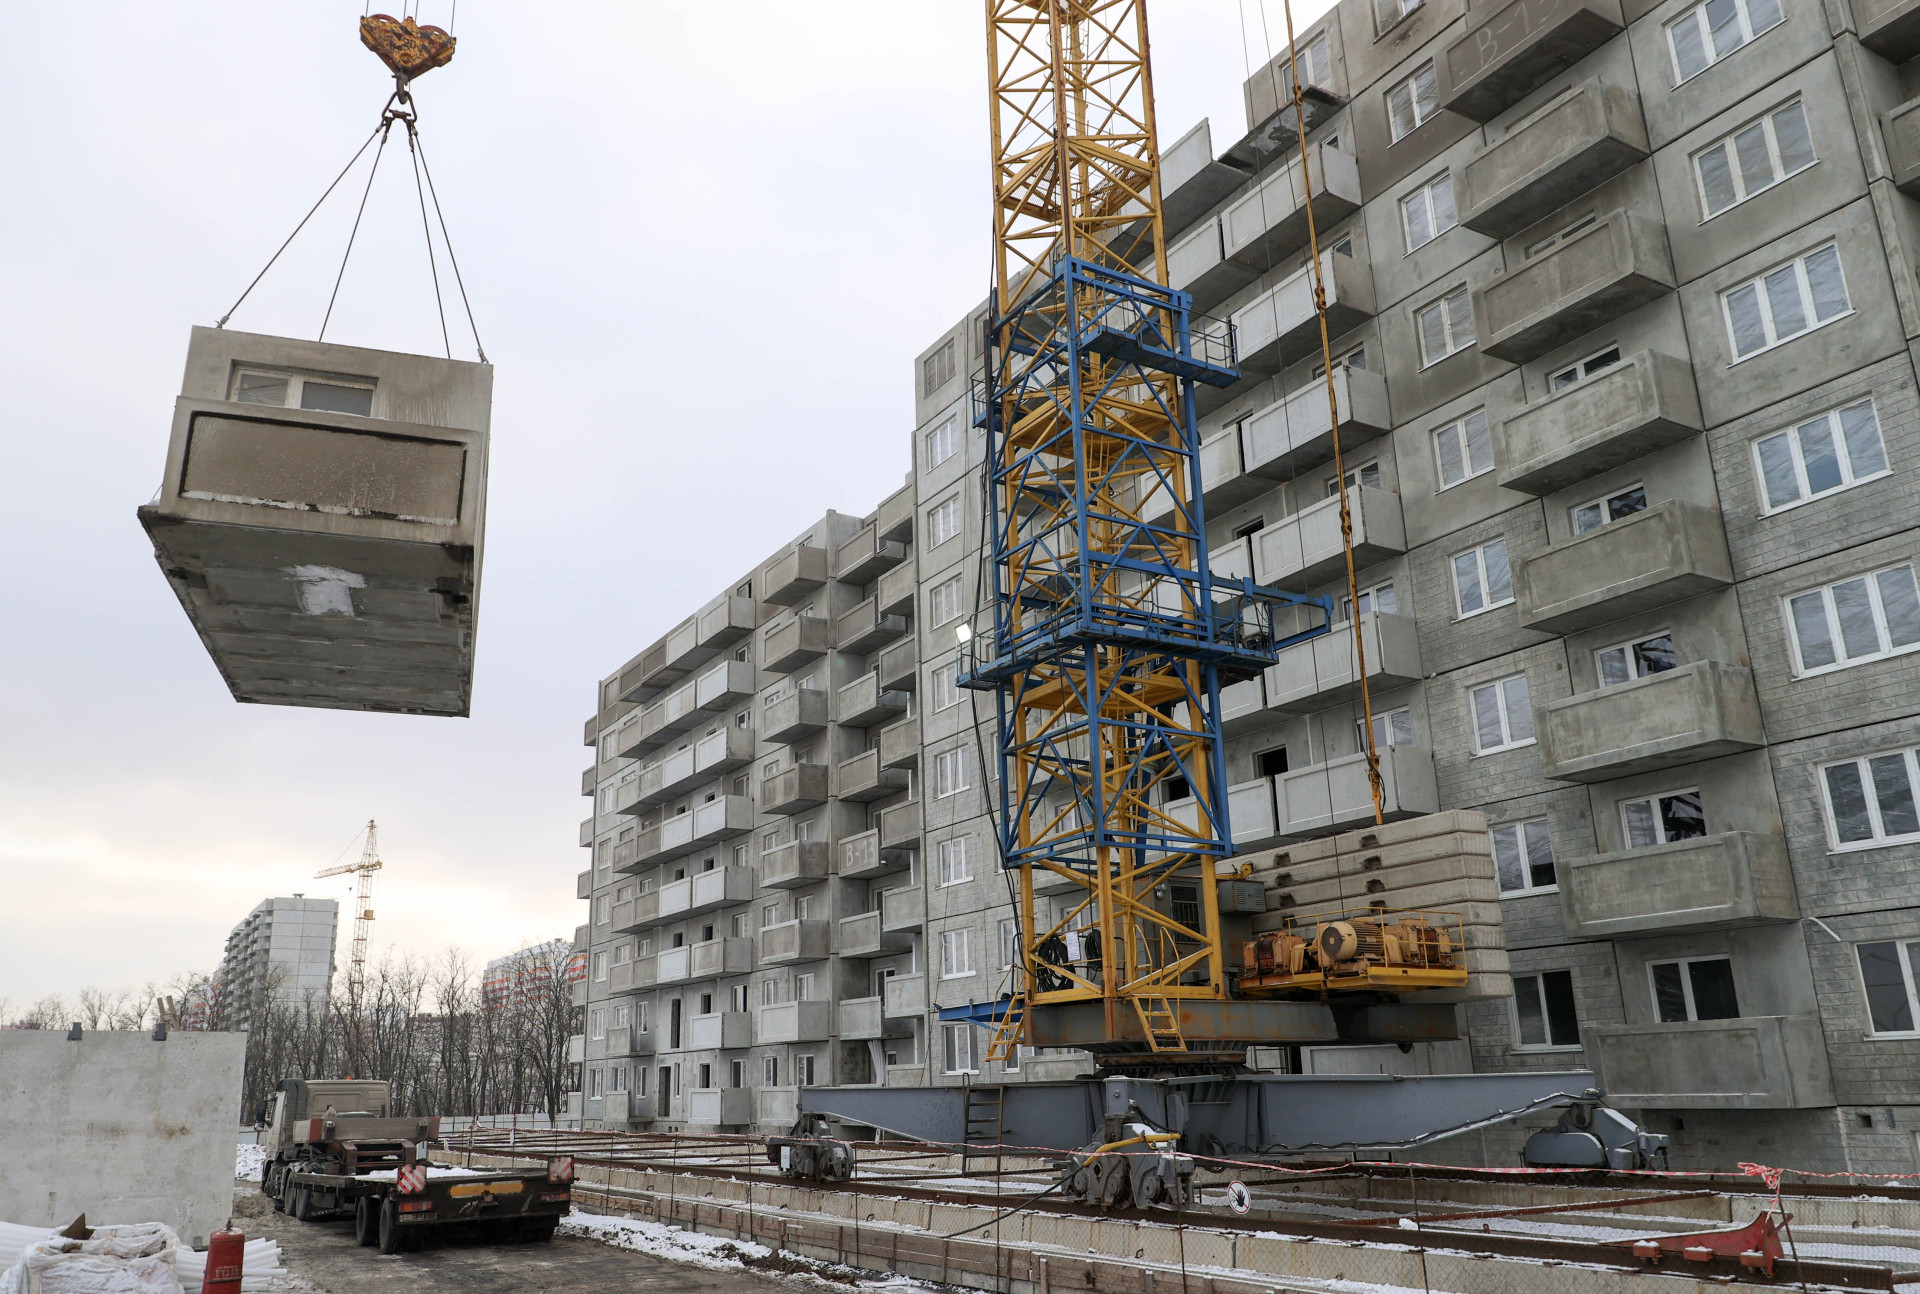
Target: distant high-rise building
(283, 947)
(521, 974)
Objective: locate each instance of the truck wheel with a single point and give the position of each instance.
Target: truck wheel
(297, 1204)
(391, 1241)
(276, 1191)
(266, 1176)
(366, 1221)
(541, 1229)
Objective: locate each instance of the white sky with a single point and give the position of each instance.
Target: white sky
(700, 239)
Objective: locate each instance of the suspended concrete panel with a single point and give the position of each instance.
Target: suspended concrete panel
(321, 520)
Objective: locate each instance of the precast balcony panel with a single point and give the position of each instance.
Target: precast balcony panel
(1696, 711)
(586, 833)
(1306, 549)
(1197, 264)
(795, 863)
(721, 1031)
(1243, 706)
(795, 1022)
(900, 744)
(722, 818)
(1320, 672)
(704, 892)
(864, 628)
(583, 885)
(720, 1107)
(1671, 551)
(1249, 814)
(1223, 484)
(893, 519)
(899, 667)
(1295, 434)
(1271, 222)
(865, 1018)
(864, 556)
(1900, 129)
(1575, 144)
(1281, 325)
(796, 716)
(863, 703)
(713, 958)
(900, 829)
(796, 641)
(786, 943)
(1890, 28)
(862, 858)
(896, 590)
(862, 935)
(904, 997)
(903, 909)
(724, 686)
(1769, 1062)
(1645, 403)
(1735, 878)
(795, 575)
(1592, 278)
(795, 790)
(726, 621)
(1322, 799)
(1518, 47)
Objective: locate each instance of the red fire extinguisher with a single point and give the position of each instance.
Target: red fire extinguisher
(226, 1254)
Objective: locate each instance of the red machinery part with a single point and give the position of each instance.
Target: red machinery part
(1756, 1245)
(226, 1255)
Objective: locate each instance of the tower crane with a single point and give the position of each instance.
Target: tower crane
(364, 869)
(1110, 639)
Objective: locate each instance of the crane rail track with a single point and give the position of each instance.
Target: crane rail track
(1849, 1276)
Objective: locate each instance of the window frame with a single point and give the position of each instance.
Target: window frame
(1881, 838)
(956, 953)
(1386, 720)
(1604, 503)
(1409, 83)
(1424, 194)
(945, 694)
(961, 782)
(956, 868)
(1653, 799)
(954, 1039)
(1835, 633)
(1725, 145)
(956, 585)
(1748, 36)
(1499, 688)
(1527, 863)
(943, 441)
(296, 388)
(944, 513)
(1583, 370)
(1539, 986)
(1907, 954)
(1459, 427)
(1836, 429)
(1634, 673)
(1803, 284)
(1440, 303)
(1480, 567)
(1686, 987)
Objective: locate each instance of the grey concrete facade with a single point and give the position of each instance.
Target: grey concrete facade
(285, 946)
(1628, 427)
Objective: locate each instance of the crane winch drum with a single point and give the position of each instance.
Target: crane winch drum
(321, 520)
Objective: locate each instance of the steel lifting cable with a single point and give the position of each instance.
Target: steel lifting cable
(1333, 411)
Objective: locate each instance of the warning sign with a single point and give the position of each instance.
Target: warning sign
(1239, 1198)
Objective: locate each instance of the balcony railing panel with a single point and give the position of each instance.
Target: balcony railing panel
(1734, 878)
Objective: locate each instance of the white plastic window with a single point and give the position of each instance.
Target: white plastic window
(1854, 621)
(292, 391)
(1390, 728)
(946, 686)
(1618, 505)
(943, 442)
(1463, 449)
(943, 602)
(956, 1041)
(1821, 456)
(1381, 597)
(1573, 374)
(1708, 32)
(1664, 819)
(1694, 988)
(1870, 801)
(1428, 211)
(1445, 326)
(1482, 579)
(1523, 857)
(950, 771)
(1786, 302)
(1502, 715)
(1890, 977)
(1413, 100)
(1625, 662)
(943, 521)
(956, 954)
(1753, 159)
(1543, 1011)
(955, 867)
(1367, 474)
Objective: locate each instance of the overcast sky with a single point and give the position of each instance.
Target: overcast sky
(704, 243)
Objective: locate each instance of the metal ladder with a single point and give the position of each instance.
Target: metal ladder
(985, 1126)
(1158, 1021)
(1006, 1030)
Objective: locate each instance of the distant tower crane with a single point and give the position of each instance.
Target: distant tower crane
(362, 908)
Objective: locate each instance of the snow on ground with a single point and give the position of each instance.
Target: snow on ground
(436, 1170)
(715, 1253)
(248, 1160)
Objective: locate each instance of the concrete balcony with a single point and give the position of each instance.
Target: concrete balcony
(786, 943)
(795, 1022)
(718, 752)
(1890, 28)
(900, 828)
(798, 641)
(1768, 1062)
(900, 744)
(899, 667)
(1320, 672)
(1335, 796)
(1223, 483)
(779, 1107)
(904, 997)
(583, 885)
(721, 1031)
(1294, 434)
(893, 519)
(1305, 550)
(589, 779)
(1517, 47)
(897, 590)
(625, 1042)
(725, 621)
(722, 687)
(795, 790)
(576, 1048)
(1679, 716)
(795, 863)
(864, 556)
(1249, 814)
(1585, 139)
(1646, 402)
(863, 703)
(1280, 326)
(1672, 550)
(586, 833)
(862, 858)
(863, 778)
(703, 892)
(630, 977)
(720, 1107)
(1270, 222)
(705, 824)
(1900, 128)
(903, 910)
(626, 855)
(639, 913)
(1243, 706)
(795, 574)
(1197, 264)
(1736, 878)
(665, 663)
(862, 935)
(800, 714)
(708, 959)
(864, 628)
(1606, 270)
(863, 1018)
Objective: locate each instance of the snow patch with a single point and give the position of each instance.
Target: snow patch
(715, 1253)
(249, 1159)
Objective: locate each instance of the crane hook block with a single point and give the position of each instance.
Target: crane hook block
(404, 46)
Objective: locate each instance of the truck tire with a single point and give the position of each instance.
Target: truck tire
(366, 1221)
(541, 1230)
(276, 1191)
(266, 1176)
(297, 1204)
(391, 1241)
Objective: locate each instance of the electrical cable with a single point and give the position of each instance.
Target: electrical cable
(1007, 1213)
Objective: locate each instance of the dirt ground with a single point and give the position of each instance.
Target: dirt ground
(324, 1259)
